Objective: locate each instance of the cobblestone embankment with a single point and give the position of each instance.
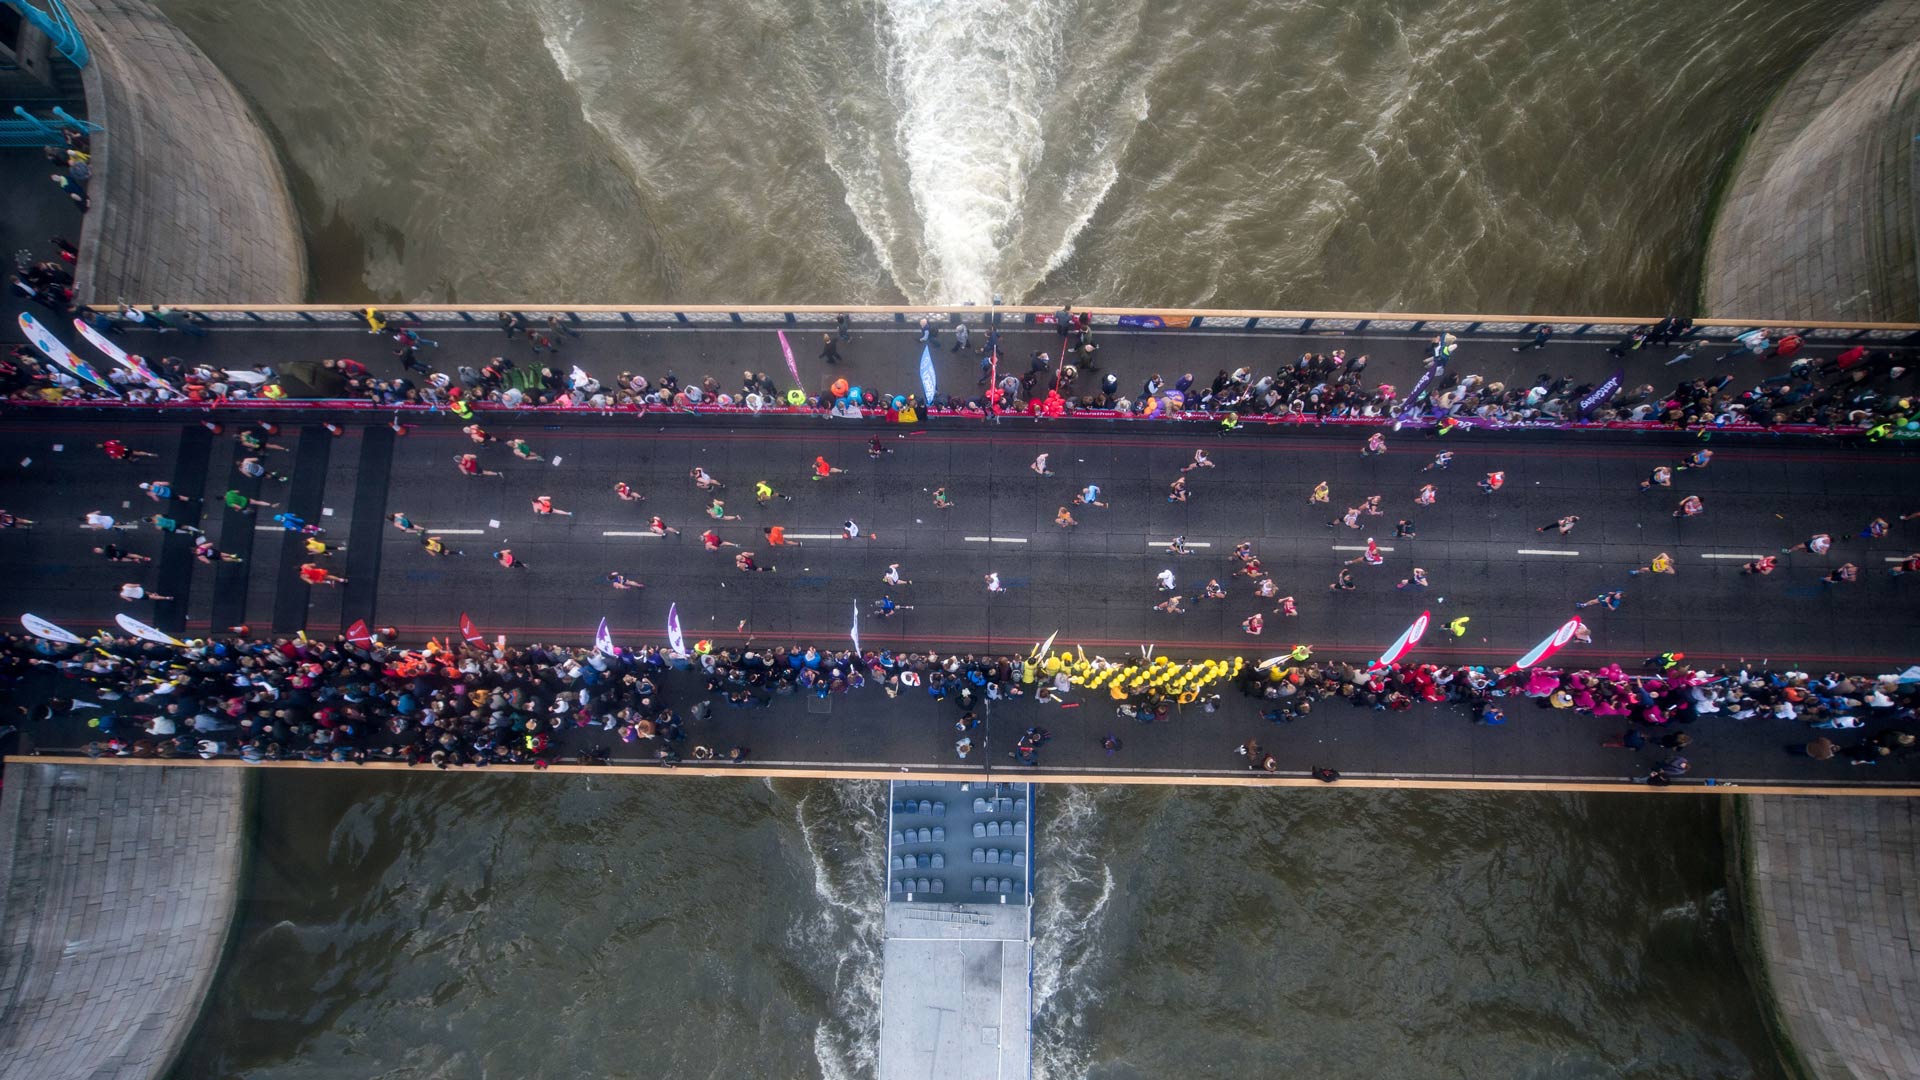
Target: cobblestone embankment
(119, 889)
(1834, 908)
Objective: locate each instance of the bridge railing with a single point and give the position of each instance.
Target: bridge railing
(1128, 319)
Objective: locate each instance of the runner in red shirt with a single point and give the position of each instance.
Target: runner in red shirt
(318, 575)
(118, 451)
(543, 504)
(469, 465)
(1494, 482)
(822, 470)
(627, 494)
(713, 541)
(661, 528)
(777, 536)
(505, 558)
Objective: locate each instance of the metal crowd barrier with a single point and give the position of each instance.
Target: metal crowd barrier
(1142, 320)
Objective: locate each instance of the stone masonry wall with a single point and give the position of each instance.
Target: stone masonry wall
(1819, 219)
(117, 889)
(189, 202)
(1835, 898)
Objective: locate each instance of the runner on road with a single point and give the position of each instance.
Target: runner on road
(1609, 599)
(1661, 564)
(626, 494)
(314, 574)
(1426, 496)
(1200, 461)
(1177, 492)
(661, 528)
(822, 470)
(1039, 466)
(1817, 544)
(1565, 524)
(718, 512)
(1064, 518)
(713, 542)
(1321, 493)
(1661, 475)
(469, 465)
(1089, 497)
(892, 576)
(1689, 506)
(119, 451)
(161, 491)
(543, 504)
(1494, 482)
(1443, 460)
(704, 480)
(1762, 566)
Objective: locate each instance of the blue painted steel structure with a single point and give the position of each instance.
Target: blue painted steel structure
(53, 18)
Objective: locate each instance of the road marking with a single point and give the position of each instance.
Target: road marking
(1545, 551)
(816, 536)
(1169, 543)
(1356, 547)
(617, 532)
(996, 539)
(1896, 558)
(458, 532)
(1726, 555)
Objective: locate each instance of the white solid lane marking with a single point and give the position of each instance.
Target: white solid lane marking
(1544, 551)
(996, 539)
(1169, 543)
(1356, 547)
(458, 532)
(617, 532)
(815, 536)
(1896, 558)
(1725, 555)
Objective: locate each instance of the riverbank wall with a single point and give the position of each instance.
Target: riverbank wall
(1832, 908)
(117, 894)
(1818, 219)
(190, 204)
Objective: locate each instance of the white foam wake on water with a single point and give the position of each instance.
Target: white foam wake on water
(1076, 886)
(972, 80)
(852, 886)
(560, 26)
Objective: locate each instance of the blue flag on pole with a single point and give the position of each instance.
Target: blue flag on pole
(926, 371)
(603, 640)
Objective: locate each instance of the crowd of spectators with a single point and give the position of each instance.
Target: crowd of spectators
(338, 701)
(1859, 388)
